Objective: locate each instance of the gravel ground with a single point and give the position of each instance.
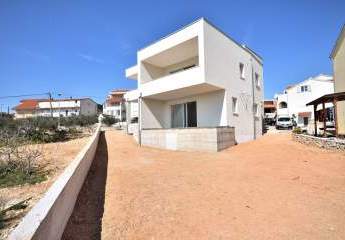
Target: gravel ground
(271, 188)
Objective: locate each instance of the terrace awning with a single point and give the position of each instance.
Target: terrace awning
(328, 98)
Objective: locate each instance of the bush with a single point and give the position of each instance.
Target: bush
(109, 120)
(18, 162)
(45, 129)
(297, 130)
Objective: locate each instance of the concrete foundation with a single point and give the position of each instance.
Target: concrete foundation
(211, 139)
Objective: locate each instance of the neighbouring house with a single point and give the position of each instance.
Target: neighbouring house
(337, 98)
(292, 102)
(115, 105)
(55, 107)
(270, 111)
(198, 89)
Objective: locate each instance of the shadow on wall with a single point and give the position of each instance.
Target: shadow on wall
(86, 219)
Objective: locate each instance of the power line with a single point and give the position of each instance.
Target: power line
(24, 95)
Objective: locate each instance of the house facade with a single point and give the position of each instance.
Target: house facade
(55, 107)
(114, 104)
(338, 59)
(292, 102)
(270, 111)
(194, 80)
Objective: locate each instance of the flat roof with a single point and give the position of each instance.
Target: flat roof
(244, 47)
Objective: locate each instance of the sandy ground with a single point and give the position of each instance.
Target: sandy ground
(56, 156)
(272, 188)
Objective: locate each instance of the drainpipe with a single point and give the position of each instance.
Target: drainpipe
(253, 95)
(139, 119)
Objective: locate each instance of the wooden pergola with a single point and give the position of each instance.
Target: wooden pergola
(328, 98)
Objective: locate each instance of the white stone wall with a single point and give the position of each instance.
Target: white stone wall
(189, 139)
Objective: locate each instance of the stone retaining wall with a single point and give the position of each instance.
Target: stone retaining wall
(48, 218)
(211, 139)
(327, 143)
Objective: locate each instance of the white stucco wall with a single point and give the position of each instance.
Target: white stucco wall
(222, 59)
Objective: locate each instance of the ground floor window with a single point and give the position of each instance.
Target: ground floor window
(184, 115)
(305, 121)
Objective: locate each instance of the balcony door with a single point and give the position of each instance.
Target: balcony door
(183, 115)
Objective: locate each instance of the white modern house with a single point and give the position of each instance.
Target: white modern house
(292, 102)
(55, 107)
(114, 104)
(198, 89)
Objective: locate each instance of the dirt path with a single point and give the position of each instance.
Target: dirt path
(272, 188)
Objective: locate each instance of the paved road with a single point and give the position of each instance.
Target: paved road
(272, 188)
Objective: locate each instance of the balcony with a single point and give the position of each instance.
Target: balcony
(174, 60)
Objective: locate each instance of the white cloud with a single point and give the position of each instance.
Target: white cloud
(90, 58)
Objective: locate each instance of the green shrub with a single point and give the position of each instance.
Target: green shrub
(297, 130)
(17, 177)
(109, 120)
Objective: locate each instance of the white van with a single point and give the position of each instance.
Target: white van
(284, 122)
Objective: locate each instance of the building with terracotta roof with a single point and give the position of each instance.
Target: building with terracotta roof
(114, 104)
(270, 111)
(56, 107)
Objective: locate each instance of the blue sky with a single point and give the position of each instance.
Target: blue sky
(81, 48)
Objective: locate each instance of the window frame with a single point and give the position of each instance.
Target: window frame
(257, 80)
(234, 104)
(242, 70)
(256, 110)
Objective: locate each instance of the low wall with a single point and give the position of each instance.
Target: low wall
(327, 143)
(211, 139)
(48, 218)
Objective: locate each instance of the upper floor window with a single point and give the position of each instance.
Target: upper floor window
(305, 88)
(256, 110)
(234, 105)
(282, 105)
(241, 70)
(257, 80)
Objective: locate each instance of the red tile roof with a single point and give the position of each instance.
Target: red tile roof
(27, 104)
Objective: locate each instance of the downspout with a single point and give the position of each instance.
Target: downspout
(253, 95)
(139, 119)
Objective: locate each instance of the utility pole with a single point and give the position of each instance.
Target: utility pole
(59, 94)
(50, 101)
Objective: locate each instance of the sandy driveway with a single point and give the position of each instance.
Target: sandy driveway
(272, 188)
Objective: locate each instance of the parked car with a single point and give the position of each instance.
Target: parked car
(284, 123)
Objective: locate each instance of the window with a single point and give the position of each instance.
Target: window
(234, 105)
(184, 115)
(282, 105)
(241, 70)
(182, 69)
(305, 88)
(257, 80)
(256, 110)
(305, 121)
